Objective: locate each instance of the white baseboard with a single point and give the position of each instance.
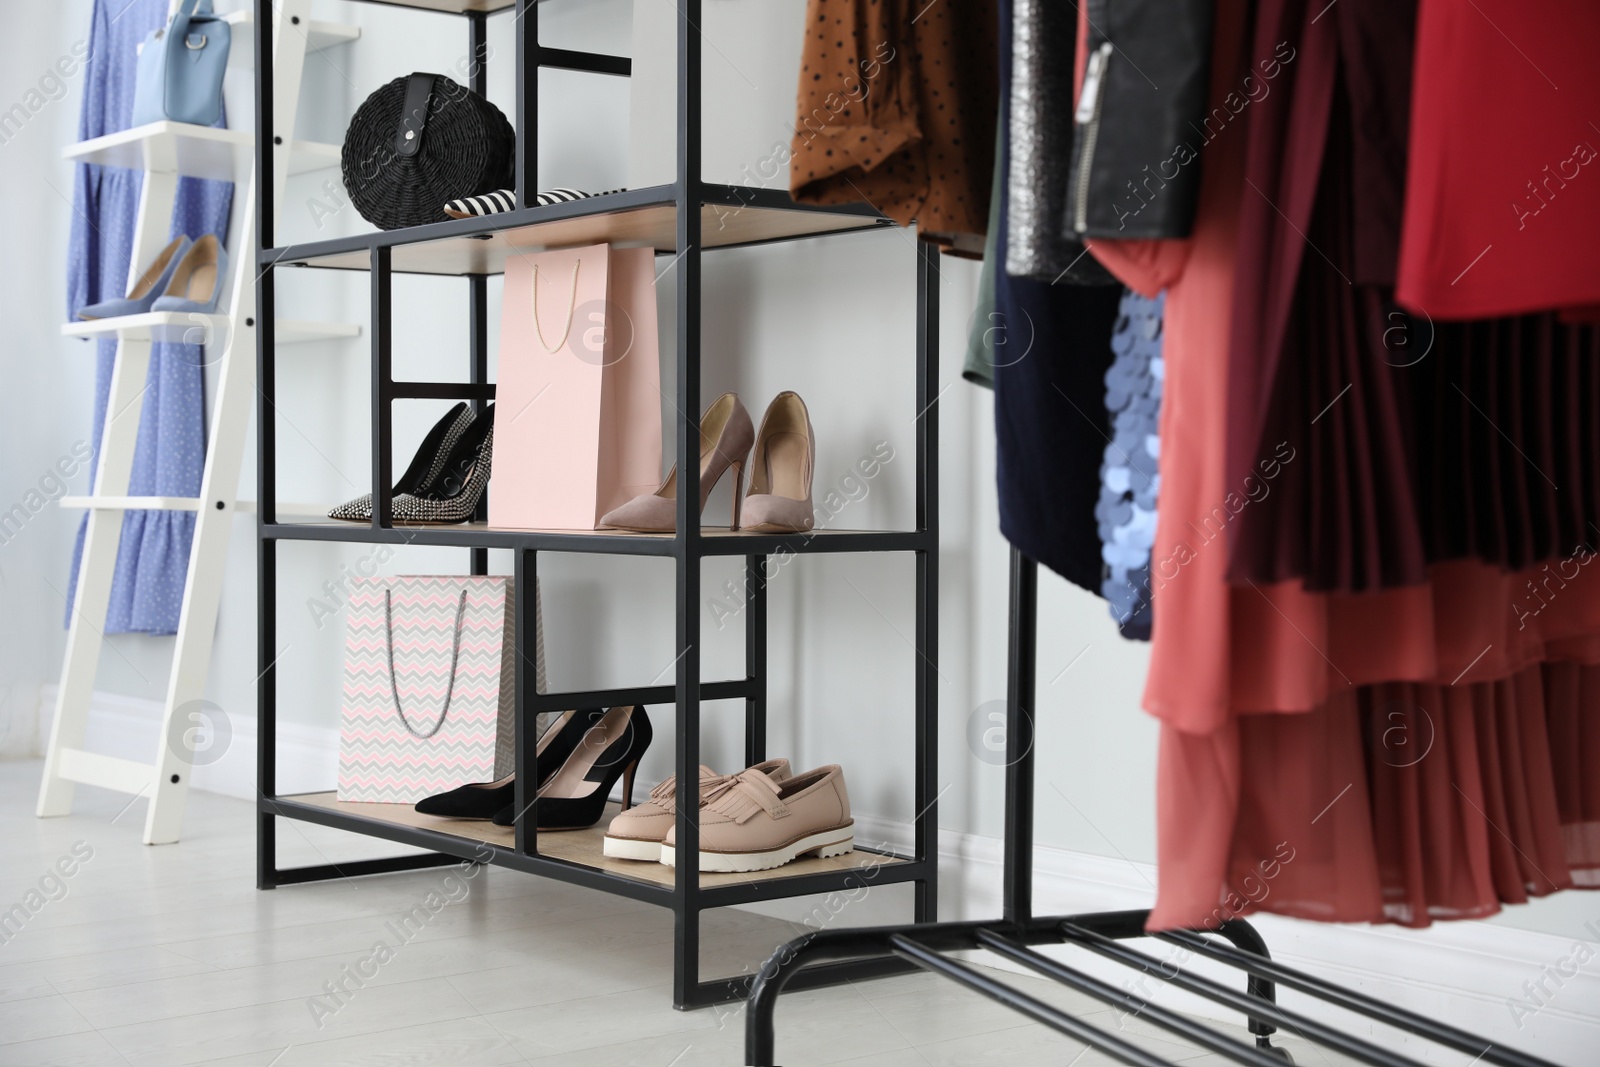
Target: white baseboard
(130, 727)
(1466, 974)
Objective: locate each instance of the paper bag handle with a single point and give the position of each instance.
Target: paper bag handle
(455, 656)
(572, 306)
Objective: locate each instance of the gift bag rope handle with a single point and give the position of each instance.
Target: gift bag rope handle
(455, 657)
(572, 306)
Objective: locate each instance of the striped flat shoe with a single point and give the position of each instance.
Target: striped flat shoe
(471, 207)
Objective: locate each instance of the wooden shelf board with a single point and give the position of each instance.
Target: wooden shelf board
(319, 519)
(716, 541)
(452, 7)
(655, 226)
(580, 846)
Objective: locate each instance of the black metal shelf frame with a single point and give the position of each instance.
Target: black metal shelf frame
(687, 548)
(1014, 935)
(486, 226)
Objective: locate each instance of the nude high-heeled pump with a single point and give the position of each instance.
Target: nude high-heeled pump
(780, 469)
(196, 284)
(726, 434)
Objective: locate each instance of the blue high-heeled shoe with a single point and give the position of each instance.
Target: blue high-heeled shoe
(197, 283)
(152, 284)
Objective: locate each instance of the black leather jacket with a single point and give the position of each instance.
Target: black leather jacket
(1140, 124)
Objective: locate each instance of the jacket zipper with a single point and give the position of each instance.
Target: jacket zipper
(1088, 120)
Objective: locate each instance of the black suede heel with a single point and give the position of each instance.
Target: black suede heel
(483, 801)
(575, 797)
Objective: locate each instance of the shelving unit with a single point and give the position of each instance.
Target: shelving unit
(683, 221)
(165, 152)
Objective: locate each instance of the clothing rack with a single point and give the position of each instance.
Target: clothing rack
(1234, 944)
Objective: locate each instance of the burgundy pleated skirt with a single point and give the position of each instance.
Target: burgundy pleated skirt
(1416, 442)
(1394, 803)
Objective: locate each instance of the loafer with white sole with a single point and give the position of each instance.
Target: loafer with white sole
(637, 833)
(757, 823)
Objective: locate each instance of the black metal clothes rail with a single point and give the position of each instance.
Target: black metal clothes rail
(1234, 944)
(670, 217)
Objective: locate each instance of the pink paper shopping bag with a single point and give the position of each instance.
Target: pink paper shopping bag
(429, 677)
(578, 405)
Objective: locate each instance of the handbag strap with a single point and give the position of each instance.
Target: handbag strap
(189, 9)
(414, 114)
(455, 657)
(572, 306)
(189, 12)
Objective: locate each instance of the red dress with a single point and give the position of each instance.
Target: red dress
(1502, 208)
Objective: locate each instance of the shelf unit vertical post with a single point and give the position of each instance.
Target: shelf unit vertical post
(528, 56)
(478, 357)
(755, 659)
(687, 544)
(478, 52)
(266, 455)
(926, 822)
(382, 331)
(1021, 667)
(478, 284)
(525, 578)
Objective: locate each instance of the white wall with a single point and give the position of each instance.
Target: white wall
(46, 382)
(831, 318)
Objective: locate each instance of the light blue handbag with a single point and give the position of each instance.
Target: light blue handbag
(181, 68)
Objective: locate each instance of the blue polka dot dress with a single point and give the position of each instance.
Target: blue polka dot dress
(153, 557)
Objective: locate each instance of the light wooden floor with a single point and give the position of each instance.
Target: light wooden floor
(169, 955)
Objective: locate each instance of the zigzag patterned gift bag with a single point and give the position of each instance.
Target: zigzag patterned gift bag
(429, 686)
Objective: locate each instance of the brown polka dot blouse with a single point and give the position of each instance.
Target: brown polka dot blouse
(897, 107)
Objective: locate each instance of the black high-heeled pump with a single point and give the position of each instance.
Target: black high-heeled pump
(454, 496)
(429, 463)
(483, 800)
(575, 796)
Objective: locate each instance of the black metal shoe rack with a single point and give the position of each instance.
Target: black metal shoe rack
(1234, 944)
(670, 217)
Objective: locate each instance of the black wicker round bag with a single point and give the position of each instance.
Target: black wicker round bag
(420, 142)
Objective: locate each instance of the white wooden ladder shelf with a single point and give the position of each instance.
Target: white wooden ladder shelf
(165, 152)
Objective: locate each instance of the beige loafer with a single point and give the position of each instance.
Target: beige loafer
(756, 823)
(637, 833)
